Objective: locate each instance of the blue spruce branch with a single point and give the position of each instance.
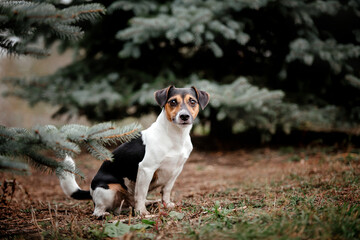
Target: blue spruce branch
(22, 144)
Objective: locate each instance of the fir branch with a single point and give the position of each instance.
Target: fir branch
(138, 7)
(98, 151)
(75, 132)
(29, 21)
(123, 135)
(111, 134)
(13, 166)
(67, 32)
(19, 143)
(49, 165)
(41, 162)
(100, 128)
(52, 138)
(89, 14)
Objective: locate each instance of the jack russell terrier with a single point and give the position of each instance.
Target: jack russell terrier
(153, 160)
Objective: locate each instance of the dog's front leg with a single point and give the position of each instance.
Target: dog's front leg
(166, 190)
(144, 176)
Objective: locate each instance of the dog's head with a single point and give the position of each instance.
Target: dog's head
(181, 104)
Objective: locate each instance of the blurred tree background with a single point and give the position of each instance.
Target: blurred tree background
(23, 25)
(270, 66)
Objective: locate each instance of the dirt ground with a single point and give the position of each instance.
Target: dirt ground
(34, 204)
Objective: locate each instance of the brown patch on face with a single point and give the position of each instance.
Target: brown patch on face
(173, 106)
(192, 105)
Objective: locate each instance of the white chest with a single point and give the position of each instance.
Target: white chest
(171, 165)
(174, 161)
(167, 147)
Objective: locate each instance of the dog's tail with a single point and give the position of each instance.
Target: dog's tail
(69, 185)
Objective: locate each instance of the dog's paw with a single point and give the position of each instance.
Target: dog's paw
(169, 205)
(100, 214)
(142, 212)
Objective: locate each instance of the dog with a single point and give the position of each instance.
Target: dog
(153, 160)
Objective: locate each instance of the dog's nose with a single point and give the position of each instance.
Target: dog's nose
(184, 117)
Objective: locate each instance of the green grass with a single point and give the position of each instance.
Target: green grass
(293, 218)
(323, 203)
(318, 198)
(289, 214)
(296, 218)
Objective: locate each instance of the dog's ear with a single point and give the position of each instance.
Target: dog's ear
(203, 97)
(161, 96)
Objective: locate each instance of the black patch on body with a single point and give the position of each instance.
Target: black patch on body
(125, 165)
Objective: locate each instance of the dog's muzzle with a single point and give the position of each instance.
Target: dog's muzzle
(183, 118)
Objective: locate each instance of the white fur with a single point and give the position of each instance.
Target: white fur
(67, 179)
(168, 146)
(104, 200)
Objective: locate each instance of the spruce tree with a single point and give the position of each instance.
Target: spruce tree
(306, 50)
(22, 24)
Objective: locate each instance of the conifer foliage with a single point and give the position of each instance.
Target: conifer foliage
(23, 23)
(38, 144)
(304, 54)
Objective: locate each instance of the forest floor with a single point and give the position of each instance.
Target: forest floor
(264, 193)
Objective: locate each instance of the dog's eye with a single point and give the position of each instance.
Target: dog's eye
(192, 102)
(173, 103)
